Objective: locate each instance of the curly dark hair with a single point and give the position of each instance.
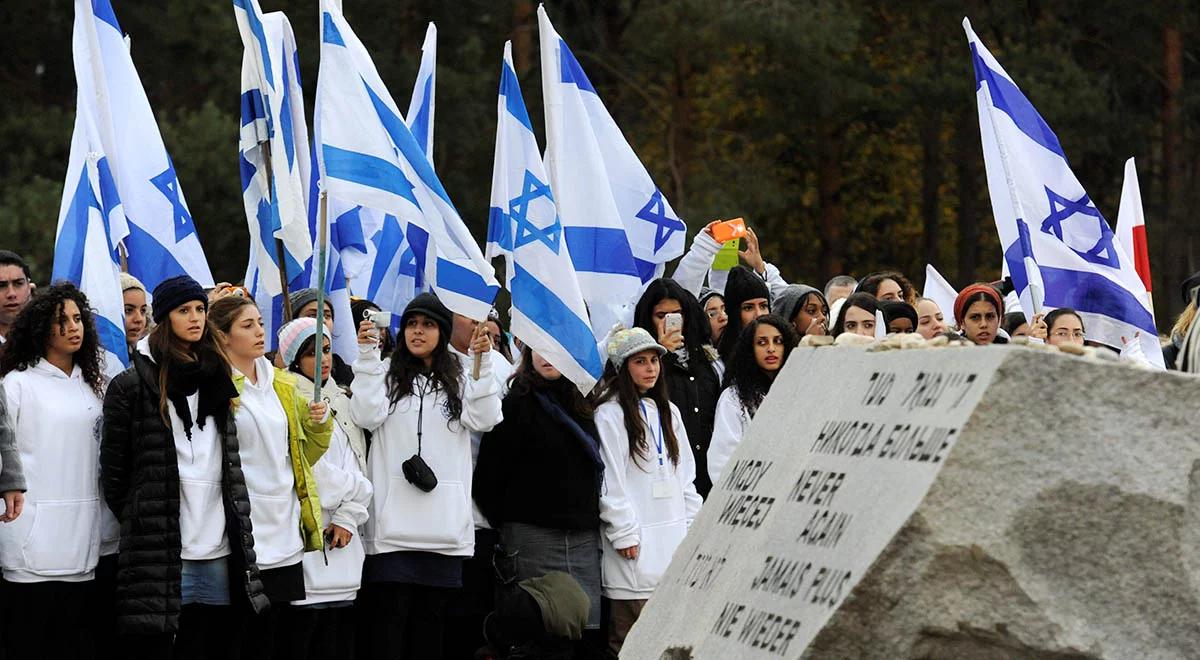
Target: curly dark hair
(525, 380)
(870, 284)
(446, 372)
(27, 339)
(743, 372)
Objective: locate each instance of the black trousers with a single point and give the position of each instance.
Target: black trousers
(206, 632)
(317, 633)
(402, 621)
(46, 620)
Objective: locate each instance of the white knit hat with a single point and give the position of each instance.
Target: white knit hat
(626, 343)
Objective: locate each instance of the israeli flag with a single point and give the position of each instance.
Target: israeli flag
(548, 313)
(393, 275)
(91, 221)
(162, 240)
(274, 145)
(1058, 247)
(420, 107)
(369, 157)
(620, 227)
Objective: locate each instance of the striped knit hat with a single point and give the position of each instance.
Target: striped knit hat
(293, 335)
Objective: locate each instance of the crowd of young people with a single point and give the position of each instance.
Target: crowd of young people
(202, 504)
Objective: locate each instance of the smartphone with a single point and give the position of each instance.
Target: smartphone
(672, 322)
(723, 232)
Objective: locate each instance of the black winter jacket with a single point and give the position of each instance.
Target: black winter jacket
(533, 470)
(139, 473)
(695, 390)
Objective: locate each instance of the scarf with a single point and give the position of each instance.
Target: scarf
(206, 377)
(591, 445)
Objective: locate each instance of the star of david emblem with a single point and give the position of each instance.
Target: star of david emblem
(1103, 253)
(518, 209)
(168, 184)
(654, 212)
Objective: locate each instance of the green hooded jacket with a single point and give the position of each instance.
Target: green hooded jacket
(307, 443)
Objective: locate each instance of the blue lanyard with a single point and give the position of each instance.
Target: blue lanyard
(659, 446)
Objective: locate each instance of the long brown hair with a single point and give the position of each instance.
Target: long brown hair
(621, 387)
(167, 349)
(526, 380)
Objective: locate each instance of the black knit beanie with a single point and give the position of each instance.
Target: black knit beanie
(429, 305)
(744, 284)
(175, 291)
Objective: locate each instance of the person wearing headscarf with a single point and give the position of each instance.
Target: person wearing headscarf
(804, 307)
(747, 297)
(979, 308)
(898, 317)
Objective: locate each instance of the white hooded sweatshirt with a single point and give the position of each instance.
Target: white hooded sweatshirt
(56, 418)
(402, 516)
(635, 511)
(335, 575)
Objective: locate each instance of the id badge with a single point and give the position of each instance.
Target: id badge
(662, 489)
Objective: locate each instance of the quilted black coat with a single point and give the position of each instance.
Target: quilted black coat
(139, 474)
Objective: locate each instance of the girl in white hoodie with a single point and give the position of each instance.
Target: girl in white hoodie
(420, 406)
(280, 435)
(322, 625)
(52, 366)
(760, 352)
(648, 499)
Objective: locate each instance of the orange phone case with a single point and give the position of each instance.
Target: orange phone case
(729, 230)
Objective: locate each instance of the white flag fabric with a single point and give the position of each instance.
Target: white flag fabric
(548, 313)
(91, 221)
(1059, 249)
(369, 157)
(420, 107)
(162, 240)
(275, 161)
(619, 227)
(939, 291)
(1131, 229)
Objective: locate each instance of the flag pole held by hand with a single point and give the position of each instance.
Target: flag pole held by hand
(319, 343)
(478, 363)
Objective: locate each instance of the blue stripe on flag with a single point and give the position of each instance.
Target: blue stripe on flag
(109, 200)
(1016, 254)
(593, 250)
(69, 247)
(647, 270)
(1095, 294)
(403, 139)
(260, 35)
(149, 260)
(499, 228)
(112, 338)
(252, 107)
(1007, 98)
(547, 311)
(387, 243)
(420, 127)
(571, 71)
(104, 11)
(367, 170)
(418, 242)
(330, 33)
(247, 170)
(453, 277)
(285, 119)
(510, 89)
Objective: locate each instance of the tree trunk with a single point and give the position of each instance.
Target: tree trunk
(1171, 240)
(679, 140)
(830, 145)
(931, 181)
(522, 36)
(969, 181)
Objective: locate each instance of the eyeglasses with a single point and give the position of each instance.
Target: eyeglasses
(1067, 334)
(714, 313)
